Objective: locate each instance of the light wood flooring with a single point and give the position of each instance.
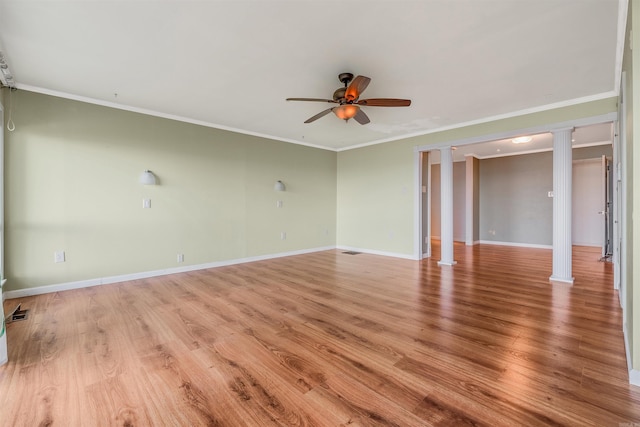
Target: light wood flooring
(329, 339)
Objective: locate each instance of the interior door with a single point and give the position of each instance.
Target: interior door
(607, 211)
(587, 226)
(621, 216)
(425, 192)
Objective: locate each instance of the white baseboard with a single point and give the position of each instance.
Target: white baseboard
(19, 293)
(455, 239)
(588, 244)
(561, 280)
(634, 377)
(375, 252)
(519, 245)
(625, 337)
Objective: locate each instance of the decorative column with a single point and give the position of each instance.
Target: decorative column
(562, 172)
(446, 207)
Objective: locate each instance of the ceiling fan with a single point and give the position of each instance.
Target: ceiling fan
(348, 98)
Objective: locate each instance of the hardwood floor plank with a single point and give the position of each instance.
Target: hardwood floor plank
(113, 402)
(461, 386)
(257, 394)
(345, 359)
(175, 385)
(329, 339)
(368, 407)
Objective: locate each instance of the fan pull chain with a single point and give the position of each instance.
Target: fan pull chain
(11, 126)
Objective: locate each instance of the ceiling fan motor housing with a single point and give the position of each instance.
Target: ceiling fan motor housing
(338, 95)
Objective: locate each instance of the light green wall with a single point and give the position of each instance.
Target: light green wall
(376, 183)
(375, 198)
(72, 184)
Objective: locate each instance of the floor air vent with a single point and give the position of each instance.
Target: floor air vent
(17, 315)
(351, 253)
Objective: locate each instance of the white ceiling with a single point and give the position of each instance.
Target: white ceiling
(231, 64)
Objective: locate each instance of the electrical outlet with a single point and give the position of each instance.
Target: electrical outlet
(279, 204)
(180, 257)
(146, 203)
(283, 236)
(58, 256)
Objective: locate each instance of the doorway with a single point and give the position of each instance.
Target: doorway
(588, 222)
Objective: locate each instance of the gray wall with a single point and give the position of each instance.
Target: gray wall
(514, 202)
(476, 199)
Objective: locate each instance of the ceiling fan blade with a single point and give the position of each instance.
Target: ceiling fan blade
(361, 117)
(312, 100)
(385, 102)
(320, 114)
(357, 86)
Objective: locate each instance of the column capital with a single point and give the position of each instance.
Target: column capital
(562, 129)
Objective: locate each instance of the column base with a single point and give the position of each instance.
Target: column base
(447, 262)
(561, 280)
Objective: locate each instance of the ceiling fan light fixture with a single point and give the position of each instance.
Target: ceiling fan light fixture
(521, 139)
(349, 102)
(346, 111)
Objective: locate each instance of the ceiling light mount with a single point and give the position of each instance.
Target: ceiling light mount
(521, 139)
(345, 78)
